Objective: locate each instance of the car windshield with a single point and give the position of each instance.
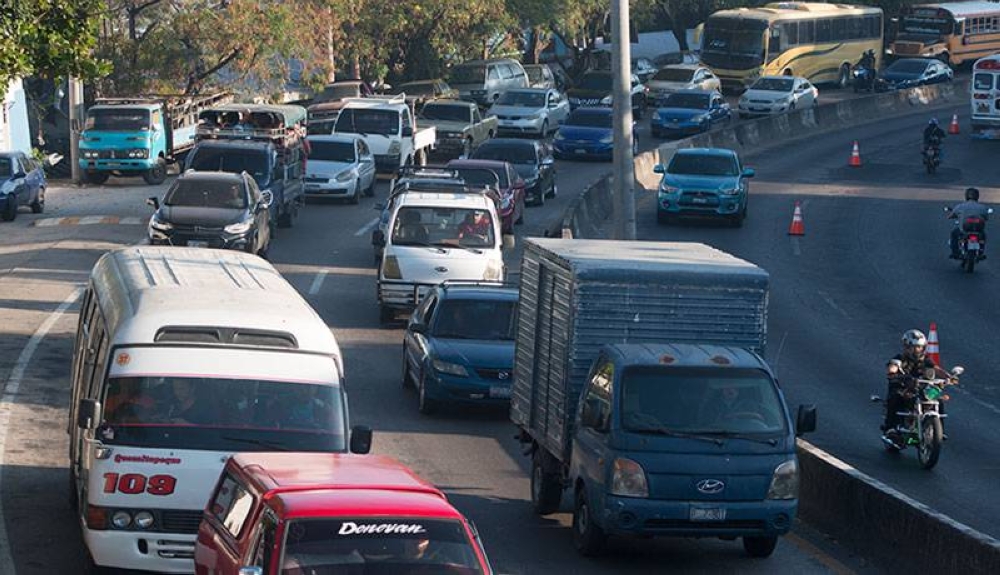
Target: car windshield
(322, 127)
(337, 92)
(534, 74)
(118, 119)
(523, 99)
(196, 193)
(232, 161)
(443, 227)
(475, 319)
(222, 414)
(382, 545)
(690, 101)
(515, 153)
(446, 112)
(468, 74)
(703, 165)
(700, 400)
(368, 121)
(5, 171)
(773, 85)
(589, 120)
(674, 75)
(908, 67)
(480, 177)
(595, 82)
(416, 89)
(331, 151)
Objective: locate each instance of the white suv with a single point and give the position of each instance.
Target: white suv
(433, 237)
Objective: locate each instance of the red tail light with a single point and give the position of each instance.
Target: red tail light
(981, 96)
(973, 238)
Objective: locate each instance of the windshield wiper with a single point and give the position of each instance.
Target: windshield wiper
(737, 435)
(257, 442)
(672, 433)
(461, 247)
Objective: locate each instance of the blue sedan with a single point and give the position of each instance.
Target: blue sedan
(22, 183)
(587, 133)
(689, 112)
(459, 345)
(703, 182)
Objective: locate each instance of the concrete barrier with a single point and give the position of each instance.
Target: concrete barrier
(883, 524)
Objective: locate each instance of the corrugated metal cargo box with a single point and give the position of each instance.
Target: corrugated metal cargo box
(577, 295)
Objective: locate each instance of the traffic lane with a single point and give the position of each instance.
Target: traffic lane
(873, 264)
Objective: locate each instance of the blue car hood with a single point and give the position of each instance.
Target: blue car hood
(700, 182)
(679, 113)
(584, 132)
(475, 352)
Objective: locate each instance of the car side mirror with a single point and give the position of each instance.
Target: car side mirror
(407, 131)
(957, 370)
(361, 439)
(251, 571)
(417, 327)
(153, 202)
(805, 422)
(748, 173)
(266, 199)
(659, 169)
(19, 175)
(88, 413)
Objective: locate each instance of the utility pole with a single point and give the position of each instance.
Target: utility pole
(75, 88)
(623, 176)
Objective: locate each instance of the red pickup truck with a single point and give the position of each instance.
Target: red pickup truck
(332, 514)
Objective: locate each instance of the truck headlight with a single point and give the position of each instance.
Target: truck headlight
(138, 153)
(345, 176)
(494, 271)
(449, 368)
(608, 139)
(144, 520)
(785, 481)
(666, 188)
(239, 227)
(121, 519)
(628, 479)
(155, 223)
(394, 148)
(390, 269)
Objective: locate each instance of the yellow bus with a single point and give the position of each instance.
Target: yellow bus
(817, 41)
(953, 32)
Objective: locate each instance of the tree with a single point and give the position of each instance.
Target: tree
(50, 38)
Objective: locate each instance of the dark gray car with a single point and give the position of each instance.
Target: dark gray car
(532, 159)
(22, 183)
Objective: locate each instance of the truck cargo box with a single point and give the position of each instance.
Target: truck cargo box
(577, 295)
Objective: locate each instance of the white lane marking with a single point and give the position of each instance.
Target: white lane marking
(132, 221)
(367, 227)
(777, 356)
(7, 402)
(317, 282)
(90, 220)
(829, 300)
(975, 399)
(796, 248)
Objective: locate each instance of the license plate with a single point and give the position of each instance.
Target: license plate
(581, 151)
(699, 200)
(973, 246)
(197, 244)
(708, 514)
(312, 186)
(499, 392)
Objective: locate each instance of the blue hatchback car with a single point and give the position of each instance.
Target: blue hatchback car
(703, 182)
(459, 345)
(587, 133)
(689, 112)
(22, 183)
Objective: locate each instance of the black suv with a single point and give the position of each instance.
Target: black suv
(213, 210)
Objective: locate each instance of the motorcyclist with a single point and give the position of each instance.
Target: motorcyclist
(901, 370)
(867, 60)
(933, 135)
(866, 67)
(970, 208)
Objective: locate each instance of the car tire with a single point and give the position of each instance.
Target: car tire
(406, 382)
(546, 489)
(38, 206)
(737, 220)
(10, 210)
(96, 178)
(553, 192)
(425, 405)
(157, 174)
(588, 537)
(385, 315)
(370, 190)
(760, 546)
(545, 128)
(356, 196)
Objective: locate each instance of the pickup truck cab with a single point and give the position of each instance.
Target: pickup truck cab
(460, 126)
(389, 129)
(310, 513)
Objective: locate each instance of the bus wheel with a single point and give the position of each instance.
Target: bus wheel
(845, 76)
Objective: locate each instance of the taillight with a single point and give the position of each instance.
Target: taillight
(981, 96)
(973, 238)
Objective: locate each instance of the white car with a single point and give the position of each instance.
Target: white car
(677, 77)
(535, 111)
(777, 95)
(435, 237)
(339, 166)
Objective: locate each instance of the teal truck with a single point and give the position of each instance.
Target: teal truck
(128, 137)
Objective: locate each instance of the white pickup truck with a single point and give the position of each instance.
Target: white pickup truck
(389, 128)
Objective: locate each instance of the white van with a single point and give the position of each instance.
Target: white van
(433, 237)
(184, 356)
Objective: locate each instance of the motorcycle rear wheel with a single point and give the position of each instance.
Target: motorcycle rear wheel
(929, 449)
(969, 265)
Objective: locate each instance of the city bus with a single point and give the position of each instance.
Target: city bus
(985, 96)
(819, 42)
(953, 32)
(184, 356)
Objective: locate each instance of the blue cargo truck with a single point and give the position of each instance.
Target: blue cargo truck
(640, 388)
(128, 137)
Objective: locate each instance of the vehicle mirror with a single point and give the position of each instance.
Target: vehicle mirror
(251, 571)
(19, 174)
(806, 420)
(748, 172)
(590, 416)
(361, 439)
(957, 370)
(153, 202)
(948, 209)
(266, 199)
(417, 327)
(659, 169)
(407, 131)
(88, 413)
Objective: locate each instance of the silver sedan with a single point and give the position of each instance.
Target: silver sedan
(534, 111)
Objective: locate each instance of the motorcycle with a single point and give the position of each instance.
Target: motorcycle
(932, 156)
(921, 426)
(972, 245)
(863, 78)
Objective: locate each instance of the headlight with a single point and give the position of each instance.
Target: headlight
(785, 482)
(394, 147)
(628, 479)
(239, 227)
(449, 368)
(494, 271)
(729, 189)
(159, 225)
(657, 117)
(138, 153)
(559, 137)
(535, 116)
(390, 269)
(666, 188)
(144, 520)
(346, 175)
(89, 154)
(121, 520)
(607, 100)
(608, 139)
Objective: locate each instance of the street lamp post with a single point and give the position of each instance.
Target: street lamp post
(623, 176)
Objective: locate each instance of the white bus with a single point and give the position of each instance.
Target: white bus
(182, 357)
(985, 96)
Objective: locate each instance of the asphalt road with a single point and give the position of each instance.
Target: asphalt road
(471, 454)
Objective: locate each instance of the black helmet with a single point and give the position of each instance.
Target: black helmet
(972, 194)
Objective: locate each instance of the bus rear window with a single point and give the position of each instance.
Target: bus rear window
(982, 81)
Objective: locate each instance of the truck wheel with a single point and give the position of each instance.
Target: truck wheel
(97, 178)
(760, 546)
(546, 489)
(588, 537)
(38, 206)
(157, 174)
(285, 218)
(467, 147)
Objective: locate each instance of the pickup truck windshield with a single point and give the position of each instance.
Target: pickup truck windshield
(232, 161)
(446, 112)
(703, 165)
(475, 319)
(443, 227)
(222, 414)
(118, 119)
(378, 546)
(364, 121)
(700, 400)
(205, 194)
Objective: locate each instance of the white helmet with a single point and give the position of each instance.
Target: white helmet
(914, 343)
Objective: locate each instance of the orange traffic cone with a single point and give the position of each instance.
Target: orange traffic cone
(855, 156)
(797, 228)
(953, 127)
(933, 350)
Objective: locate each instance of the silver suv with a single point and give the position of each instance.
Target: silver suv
(482, 81)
